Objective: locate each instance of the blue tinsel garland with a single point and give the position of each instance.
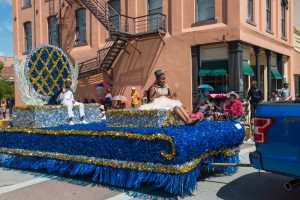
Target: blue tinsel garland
(177, 184)
(190, 143)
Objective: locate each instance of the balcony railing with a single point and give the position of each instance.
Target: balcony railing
(153, 23)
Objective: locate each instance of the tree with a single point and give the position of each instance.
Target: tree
(6, 89)
(1, 65)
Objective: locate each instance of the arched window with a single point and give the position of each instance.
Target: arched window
(284, 7)
(53, 30)
(81, 26)
(28, 36)
(205, 10)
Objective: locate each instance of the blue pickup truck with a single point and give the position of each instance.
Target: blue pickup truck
(277, 139)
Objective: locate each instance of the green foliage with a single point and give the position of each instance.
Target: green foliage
(6, 89)
(1, 65)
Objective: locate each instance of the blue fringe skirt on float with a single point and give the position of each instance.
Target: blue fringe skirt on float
(169, 157)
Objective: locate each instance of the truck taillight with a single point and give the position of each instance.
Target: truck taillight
(261, 126)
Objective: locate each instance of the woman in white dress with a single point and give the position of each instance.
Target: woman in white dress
(161, 99)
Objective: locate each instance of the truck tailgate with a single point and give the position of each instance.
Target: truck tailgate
(281, 152)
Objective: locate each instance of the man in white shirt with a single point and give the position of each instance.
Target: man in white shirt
(285, 93)
(66, 98)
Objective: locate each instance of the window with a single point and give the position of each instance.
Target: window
(219, 83)
(250, 10)
(26, 3)
(269, 15)
(154, 7)
(28, 36)
(81, 26)
(283, 18)
(53, 30)
(114, 11)
(205, 10)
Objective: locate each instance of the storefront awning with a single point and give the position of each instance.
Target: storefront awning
(214, 68)
(275, 73)
(247, 69)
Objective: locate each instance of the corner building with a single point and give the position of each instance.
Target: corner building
(224, 43)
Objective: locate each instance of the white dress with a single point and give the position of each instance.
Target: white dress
(162, 102)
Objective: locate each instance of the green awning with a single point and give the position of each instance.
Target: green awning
(214, 68)
(247, 69)
(275, 73)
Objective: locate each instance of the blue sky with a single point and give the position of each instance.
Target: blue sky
(6, 33)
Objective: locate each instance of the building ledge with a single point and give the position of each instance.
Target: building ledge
(26, 6)
(205, 22)
(257, 38)
(80, 44)
(269, 31)
(284, 38)
(25, 52)
(251, 22)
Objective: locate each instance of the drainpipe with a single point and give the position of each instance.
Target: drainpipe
(34, 22)
(60, 27)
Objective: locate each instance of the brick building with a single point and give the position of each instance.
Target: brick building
(224, 43)
(8, 70)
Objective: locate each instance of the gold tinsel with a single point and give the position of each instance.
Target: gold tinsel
(152, 137)
(158, 168)
(54, 107)
(132, 112)
(171, 120)
(34, 80)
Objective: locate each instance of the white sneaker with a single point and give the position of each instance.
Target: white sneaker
(83, 122)
(71, 123)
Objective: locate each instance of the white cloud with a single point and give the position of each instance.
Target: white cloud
(1, 53)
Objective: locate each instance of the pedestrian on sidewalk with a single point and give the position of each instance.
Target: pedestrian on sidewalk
(135, 98)
(255, 96)
(3, 106)
(285, 92)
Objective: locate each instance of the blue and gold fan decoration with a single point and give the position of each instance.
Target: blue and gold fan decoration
(43, 73)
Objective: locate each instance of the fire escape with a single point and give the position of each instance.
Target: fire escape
(122, 30)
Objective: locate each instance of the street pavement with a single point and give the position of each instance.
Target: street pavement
(246, 184)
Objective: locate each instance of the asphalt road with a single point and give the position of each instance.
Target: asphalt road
(246, 184)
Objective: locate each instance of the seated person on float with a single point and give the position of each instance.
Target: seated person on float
(161, 99)
(65, 97)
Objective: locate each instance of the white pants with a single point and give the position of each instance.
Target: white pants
(70, 105)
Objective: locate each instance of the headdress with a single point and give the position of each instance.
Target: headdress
(68, 79)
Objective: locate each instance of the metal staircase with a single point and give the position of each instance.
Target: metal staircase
(122, 30)
(102, 11)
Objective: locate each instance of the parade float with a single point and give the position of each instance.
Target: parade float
(131, 148)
